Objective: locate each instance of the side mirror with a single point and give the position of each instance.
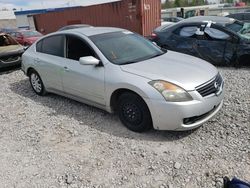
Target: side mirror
(89, 60)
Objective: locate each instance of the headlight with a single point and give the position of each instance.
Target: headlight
(171, 92)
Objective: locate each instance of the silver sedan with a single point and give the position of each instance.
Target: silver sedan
(120, 71)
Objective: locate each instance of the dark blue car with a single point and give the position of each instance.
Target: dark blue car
(218, 40)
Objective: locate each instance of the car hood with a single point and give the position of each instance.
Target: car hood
(183, 70)
(11, 49)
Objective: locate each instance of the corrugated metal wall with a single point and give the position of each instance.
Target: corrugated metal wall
(140, 16)
(151, 17)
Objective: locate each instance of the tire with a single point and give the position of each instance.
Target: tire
(134, 113)
(36, 83)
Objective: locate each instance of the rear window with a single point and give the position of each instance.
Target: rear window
(6, 40)
(53, 45)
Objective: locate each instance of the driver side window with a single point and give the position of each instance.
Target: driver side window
(77, 48)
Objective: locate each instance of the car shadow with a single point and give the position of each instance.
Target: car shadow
(91, 116)
(7, 70)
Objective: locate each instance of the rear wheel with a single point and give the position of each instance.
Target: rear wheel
(36, 83)
(134, 113)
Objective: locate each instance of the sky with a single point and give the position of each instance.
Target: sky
(40, 4)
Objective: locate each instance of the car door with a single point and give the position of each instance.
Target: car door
(49, 61)
(183, 40)
(211, 45)
(83, 81)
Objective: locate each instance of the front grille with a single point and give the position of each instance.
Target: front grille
(210, 87)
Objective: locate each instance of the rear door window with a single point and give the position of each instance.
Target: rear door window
(53, 45)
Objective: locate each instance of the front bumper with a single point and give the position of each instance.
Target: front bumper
(16, 62)
(182, 116)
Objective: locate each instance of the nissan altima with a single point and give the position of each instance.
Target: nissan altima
(120, 71)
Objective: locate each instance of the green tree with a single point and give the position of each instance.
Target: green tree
(168, 4)
(177, 3)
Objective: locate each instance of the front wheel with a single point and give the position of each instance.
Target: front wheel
(134, 113)
(36, 83)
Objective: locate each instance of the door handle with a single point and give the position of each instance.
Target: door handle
(66, 69)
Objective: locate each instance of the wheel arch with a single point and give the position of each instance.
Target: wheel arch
(119, 91)
(29, 70)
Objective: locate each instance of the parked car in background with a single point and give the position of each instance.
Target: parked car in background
(10, 51)
(75, 26)
(170, 20)
(244, 16)
(218, 40)
(26, 37)
(120, 71)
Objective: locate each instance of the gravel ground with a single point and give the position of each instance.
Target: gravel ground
(52, 142)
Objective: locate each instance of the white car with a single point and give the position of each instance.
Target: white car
(120, 71)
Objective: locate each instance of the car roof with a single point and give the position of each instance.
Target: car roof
(90, 31)
(218, 19)
(239, 13)
(74, 26)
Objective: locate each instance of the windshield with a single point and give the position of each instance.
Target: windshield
(243, 29)
(125, 47)
(31, 34)
(6, 40)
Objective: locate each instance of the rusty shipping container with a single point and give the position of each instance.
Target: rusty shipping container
(140, 16)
